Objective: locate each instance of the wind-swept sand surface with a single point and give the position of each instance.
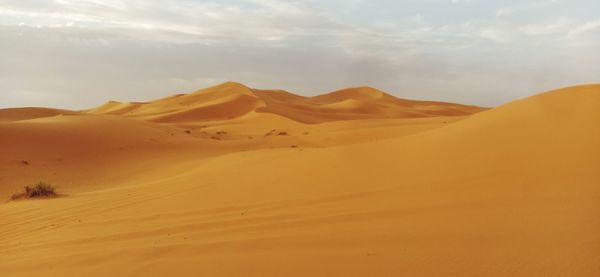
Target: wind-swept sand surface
(233, 181)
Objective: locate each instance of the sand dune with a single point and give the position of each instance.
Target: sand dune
(233, 181)
(16, 114)
(233, 100)
(221, 102)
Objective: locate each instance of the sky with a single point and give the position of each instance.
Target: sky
(80, 54)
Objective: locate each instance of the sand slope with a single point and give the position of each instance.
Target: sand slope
(512, 191)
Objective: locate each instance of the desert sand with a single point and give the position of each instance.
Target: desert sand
(234, 181)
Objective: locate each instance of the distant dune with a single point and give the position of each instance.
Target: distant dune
(234, 181)
(15, 114)
(233, 100)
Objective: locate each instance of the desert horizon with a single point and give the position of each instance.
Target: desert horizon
(300, 138)
(351, 91)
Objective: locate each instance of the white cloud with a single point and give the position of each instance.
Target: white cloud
(546, 28)
(504, 12)
(497, 35)
(584, 28)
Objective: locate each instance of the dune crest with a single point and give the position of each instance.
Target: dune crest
(16, 114)
(233, 100)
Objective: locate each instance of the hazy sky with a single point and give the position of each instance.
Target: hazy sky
(78, 54)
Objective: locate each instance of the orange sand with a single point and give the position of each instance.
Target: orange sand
(233, 181)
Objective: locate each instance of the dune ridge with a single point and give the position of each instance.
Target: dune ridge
(16, 114)
(233, 100)
(274, 187)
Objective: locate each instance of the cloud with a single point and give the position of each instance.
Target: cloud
(526, 6)
(497, 35)
(560, 26)
(77, 54)
(503, 12)
(587, 27)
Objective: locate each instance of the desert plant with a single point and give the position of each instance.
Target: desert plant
(41, 189)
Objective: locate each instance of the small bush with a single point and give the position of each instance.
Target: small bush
(41, 189)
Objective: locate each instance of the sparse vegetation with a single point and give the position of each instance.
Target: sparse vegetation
(270, 132)
(39, 190)
(274, 132)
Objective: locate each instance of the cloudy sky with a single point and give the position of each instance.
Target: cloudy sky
(78, 54)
